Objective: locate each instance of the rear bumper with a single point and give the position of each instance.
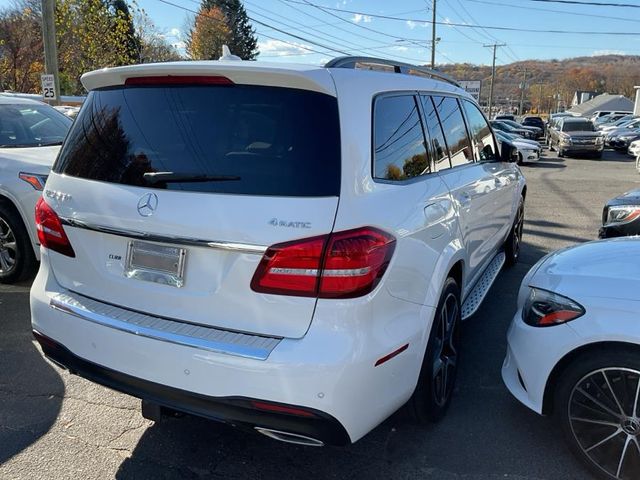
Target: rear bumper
(332, 369)
(236, 411)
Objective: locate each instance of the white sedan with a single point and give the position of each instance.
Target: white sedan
(574, 350)
(31, 133)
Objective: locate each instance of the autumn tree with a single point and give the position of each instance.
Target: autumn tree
(209, 33)
(90, 35)
(241, 37)
(21, 49)
(120, 8)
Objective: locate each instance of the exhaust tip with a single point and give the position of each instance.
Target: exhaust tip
(288, 437)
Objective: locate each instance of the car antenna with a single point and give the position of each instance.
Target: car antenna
(227, 55)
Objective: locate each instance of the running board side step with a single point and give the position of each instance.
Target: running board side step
(482, 287)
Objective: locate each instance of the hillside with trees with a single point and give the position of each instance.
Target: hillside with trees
(552, 83)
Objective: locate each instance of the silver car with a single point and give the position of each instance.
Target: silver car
(31, 133)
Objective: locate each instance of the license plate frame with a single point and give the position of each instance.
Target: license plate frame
(155, 263)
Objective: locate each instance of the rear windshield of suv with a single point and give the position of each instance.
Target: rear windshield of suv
(578, 127)
(239, 139)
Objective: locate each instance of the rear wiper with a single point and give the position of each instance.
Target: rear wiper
(176, 177)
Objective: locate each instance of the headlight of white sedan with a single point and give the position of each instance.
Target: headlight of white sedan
(546, 309)
(621, 214)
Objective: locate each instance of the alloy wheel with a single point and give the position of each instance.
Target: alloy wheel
(446, 350)
(8, 248)
(518, 227)
(604, 415)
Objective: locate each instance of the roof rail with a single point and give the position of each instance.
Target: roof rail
(398, 67)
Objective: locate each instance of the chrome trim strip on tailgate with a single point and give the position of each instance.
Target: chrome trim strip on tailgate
(153, 237)
(197, 336)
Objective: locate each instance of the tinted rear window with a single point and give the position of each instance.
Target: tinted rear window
(270, 140)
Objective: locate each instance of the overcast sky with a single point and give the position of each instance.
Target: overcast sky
(332, 28)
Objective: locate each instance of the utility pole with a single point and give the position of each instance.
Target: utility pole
(522, 87)
(50, 48)
(433, 35)
(540, 99)
(493, 73)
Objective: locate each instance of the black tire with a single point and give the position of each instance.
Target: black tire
(520, 159)
(513, 243)
(609, 379)
(436, 382)
(597, 155)
(17, 260)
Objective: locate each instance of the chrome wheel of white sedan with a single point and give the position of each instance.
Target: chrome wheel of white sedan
(8, 248)
(604, 414)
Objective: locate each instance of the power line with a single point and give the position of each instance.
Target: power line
(464, 25)
(550, 10)
(595, 4)
(327, 10)
(304, 47)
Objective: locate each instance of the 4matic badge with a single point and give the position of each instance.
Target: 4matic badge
(276, 222)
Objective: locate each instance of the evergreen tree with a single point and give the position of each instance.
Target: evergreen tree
(242, 40)
(132, 45)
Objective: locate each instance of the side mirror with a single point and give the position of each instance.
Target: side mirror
(508, 153)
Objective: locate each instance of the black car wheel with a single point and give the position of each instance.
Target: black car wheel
(17, 260)
(513, 243)
(434, 390)
(598, 406)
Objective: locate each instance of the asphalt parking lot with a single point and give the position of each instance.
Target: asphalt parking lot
(54, 425)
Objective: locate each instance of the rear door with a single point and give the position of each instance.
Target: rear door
(170, 195)
(472, 184)
(485, 151)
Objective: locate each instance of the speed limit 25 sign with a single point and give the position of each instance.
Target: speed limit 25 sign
(48, 87)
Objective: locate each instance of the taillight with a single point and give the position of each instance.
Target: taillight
(50, 231)
(340, 265)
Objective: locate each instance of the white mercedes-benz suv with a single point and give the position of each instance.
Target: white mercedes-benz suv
(282, 247)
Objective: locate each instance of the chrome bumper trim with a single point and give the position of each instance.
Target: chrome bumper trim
(171, 331)
(175, 240)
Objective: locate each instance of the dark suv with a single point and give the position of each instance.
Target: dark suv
(570, 136)
(533, 122)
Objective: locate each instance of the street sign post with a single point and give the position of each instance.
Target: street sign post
(48, 87)
(473, 87)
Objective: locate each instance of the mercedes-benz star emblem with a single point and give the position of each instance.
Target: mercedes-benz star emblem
(148, 204)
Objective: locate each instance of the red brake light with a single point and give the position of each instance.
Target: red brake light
(179, 80)
(277, 408)
(355, 261)
(340, 265)
(291, 268)
(50, 231)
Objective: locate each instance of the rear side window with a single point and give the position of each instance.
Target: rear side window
(260, 140)
(435, 134)
(398, 139)
(454, 129)
(484, 147)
